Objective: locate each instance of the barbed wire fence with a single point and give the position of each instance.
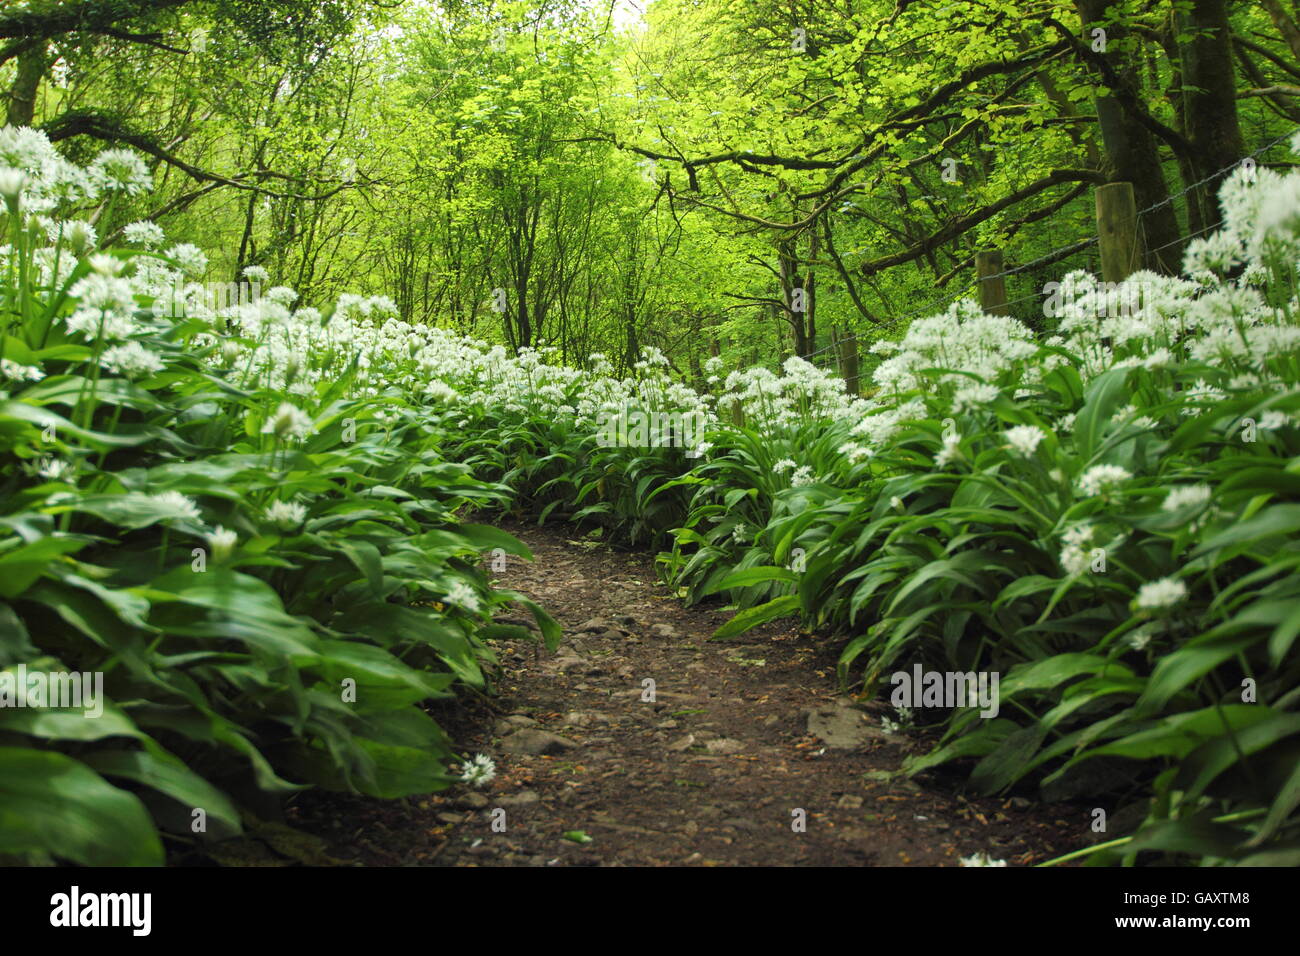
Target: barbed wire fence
(829, 356)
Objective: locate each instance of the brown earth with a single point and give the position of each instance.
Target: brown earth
(716, 768)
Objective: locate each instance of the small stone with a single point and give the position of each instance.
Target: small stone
(842, 726)
(523, 798)
(668, 724)
(471, 801)
(724, 745)
(528, 740)
(451, 818)
(849, 802)
(506, 724)
(683, 743)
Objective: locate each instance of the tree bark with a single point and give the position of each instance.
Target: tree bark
(1210, 102)
(1131, 153)
(32, 63)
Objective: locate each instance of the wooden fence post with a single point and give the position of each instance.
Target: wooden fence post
(993, 285)
(846, 354)
(1121, 251)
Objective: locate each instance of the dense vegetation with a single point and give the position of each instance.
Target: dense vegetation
(537, 263)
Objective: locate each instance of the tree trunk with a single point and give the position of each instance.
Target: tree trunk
(1285, 25)
(21, 109)
(1131, 154)
(1211, 102)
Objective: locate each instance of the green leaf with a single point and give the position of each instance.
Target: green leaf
(1105, 394)
(740, 579)
(168, 775)
(754, 616)
(51, 803)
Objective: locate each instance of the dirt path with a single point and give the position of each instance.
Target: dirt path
(737, 745)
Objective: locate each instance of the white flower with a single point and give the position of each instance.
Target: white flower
(1101, 478)
(802, 476)
(54, 468)
(105, 302)
(20, 373)
(1075, 555)
(1186, 496)
(1140, 638)
(1074, 560)
(1160, 358)
(120, 170)
(784, 465)
(973, 396)
(1164, 593)
(463, 596)
(222, 543)
(145, 233)
(950, 451)
(1273, 418)
(175, 506)
(190, 258)
(981, 859)
(479, 771)
(105, 264)
(256, 274)
(440, 391)
(24, 148)
(280, 294)
(1078, 535)
(132, 360)
(1217, 252)
(286, 515)
(289, 421)
(12, 182)
(1024, 438)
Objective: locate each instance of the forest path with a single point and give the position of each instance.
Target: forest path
(740, 736)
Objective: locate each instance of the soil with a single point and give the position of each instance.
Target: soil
(721, 765)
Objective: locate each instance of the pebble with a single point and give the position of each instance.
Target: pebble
(471, 801)
(522, 799)
(724, 745)
(529, 740)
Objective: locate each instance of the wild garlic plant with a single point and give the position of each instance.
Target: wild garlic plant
(234, 517)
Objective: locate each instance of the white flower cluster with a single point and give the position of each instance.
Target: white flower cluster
(40, 181)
